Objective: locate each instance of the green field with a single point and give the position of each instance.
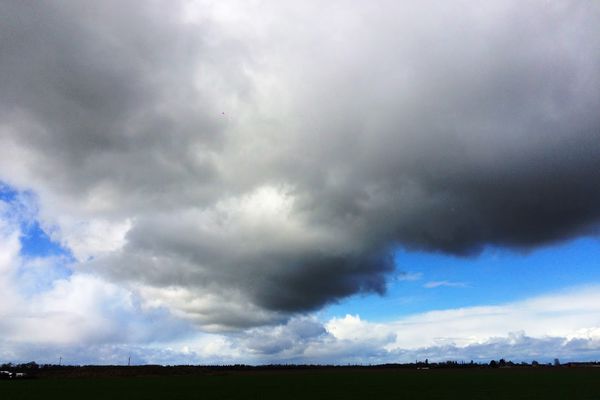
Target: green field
(563, 383)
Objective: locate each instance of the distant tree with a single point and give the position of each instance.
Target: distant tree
(493, 364)
(502, 362)
(556, 362)
(534, 363)
(29, 365)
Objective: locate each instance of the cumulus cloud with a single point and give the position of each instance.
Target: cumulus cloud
(291, 338)
(45, 304)
(564, 324)
(556, 319)
(240, 162)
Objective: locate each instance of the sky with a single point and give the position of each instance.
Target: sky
(217, 182)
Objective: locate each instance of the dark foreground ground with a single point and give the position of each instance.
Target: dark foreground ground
(338, 383)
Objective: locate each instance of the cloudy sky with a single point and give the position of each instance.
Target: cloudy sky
(299, 181)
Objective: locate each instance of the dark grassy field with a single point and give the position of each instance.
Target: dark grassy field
(526, 383)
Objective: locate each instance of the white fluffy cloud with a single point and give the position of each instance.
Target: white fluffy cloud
(46, 304)
(570, 315)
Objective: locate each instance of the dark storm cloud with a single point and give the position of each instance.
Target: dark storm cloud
(101, 90)
(266, 160)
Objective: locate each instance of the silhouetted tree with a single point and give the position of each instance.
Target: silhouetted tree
(29, 365)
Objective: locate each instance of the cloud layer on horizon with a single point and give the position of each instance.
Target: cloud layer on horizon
(240, 163)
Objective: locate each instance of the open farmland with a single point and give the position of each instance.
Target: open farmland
(330, 383)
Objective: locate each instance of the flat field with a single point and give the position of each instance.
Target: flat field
(475, 383)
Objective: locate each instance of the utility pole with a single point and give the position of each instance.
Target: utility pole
(60, 361)
(129, 361)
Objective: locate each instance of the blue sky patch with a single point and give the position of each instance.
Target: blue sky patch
(435, 281)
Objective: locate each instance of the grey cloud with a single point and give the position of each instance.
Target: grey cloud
(269, 160)
(293, 337)
(106, 92)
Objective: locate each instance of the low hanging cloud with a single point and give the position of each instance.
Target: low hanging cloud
(238, 163)
(563, 325)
